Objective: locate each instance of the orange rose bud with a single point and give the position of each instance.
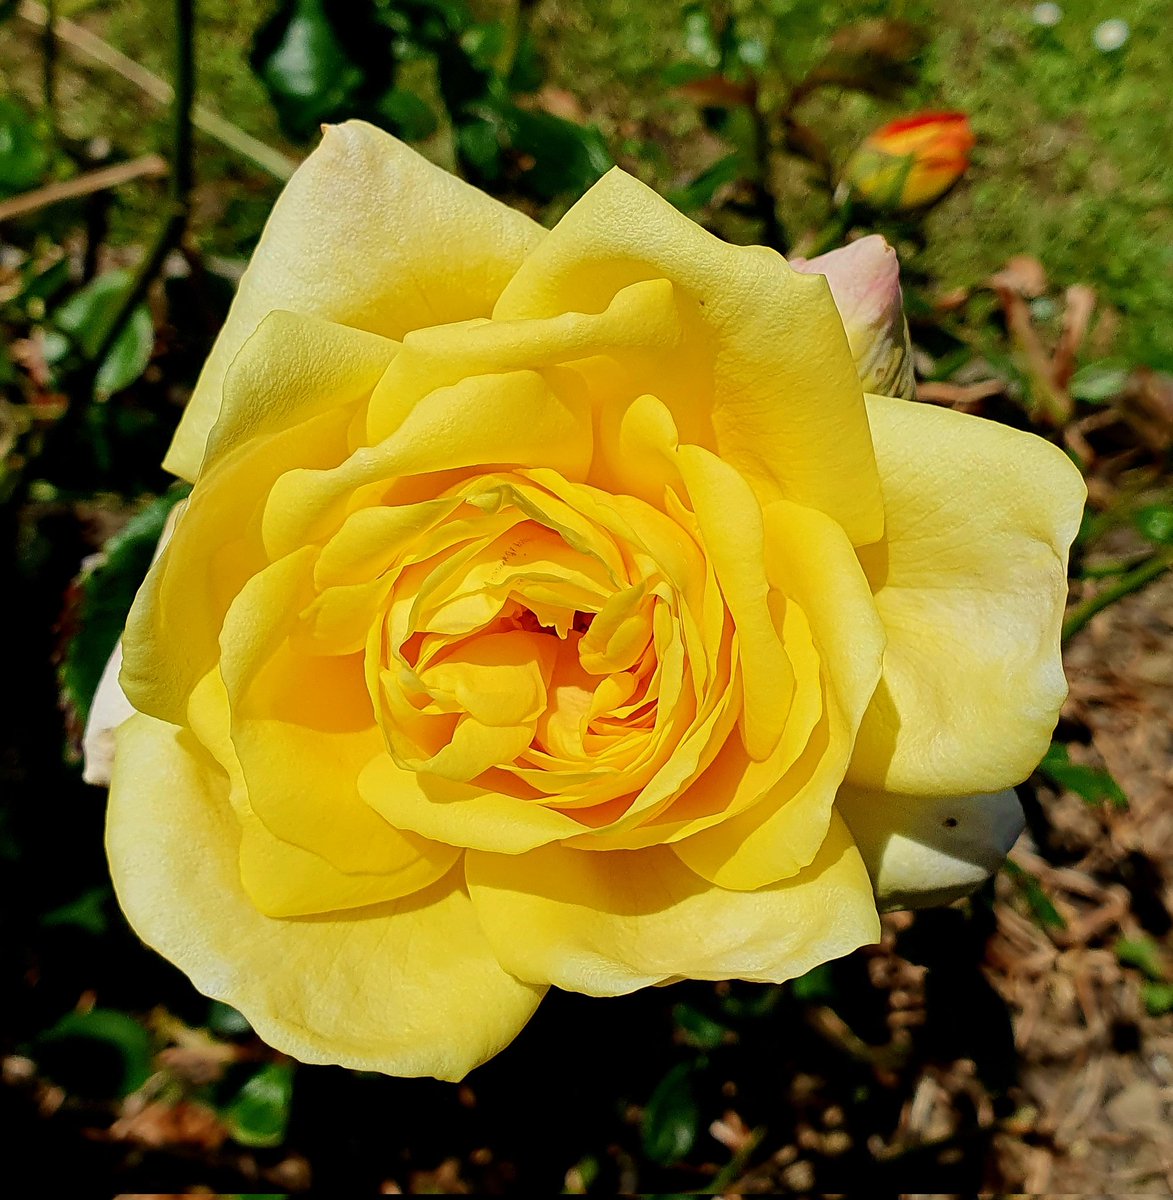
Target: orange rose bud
(911, 161)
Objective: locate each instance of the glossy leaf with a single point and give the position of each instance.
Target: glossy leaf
(1097, 383)
(83, 321)
(304, 66)
(672, 1116)
(1155, 522)
(114, 1030)
(567, 157)
(259, 1114)
(1093, 785)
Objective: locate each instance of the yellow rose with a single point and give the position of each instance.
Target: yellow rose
(554, 609)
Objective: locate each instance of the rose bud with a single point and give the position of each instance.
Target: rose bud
(864, 278)
(911, 161)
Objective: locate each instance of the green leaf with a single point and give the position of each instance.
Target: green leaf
(1142, 953)
(1155, 522)
(1044, 912)
(87, 912)
(697, 1029)
(104, 595)
(672, 1116)
(259, 1114)
(85, 317)
(225, 1021)
(699, 193)
(24, 156)
(1157, 998)
(567, 157)
(479, 145)
(817, 986)
(1094, 786)
(304, 66)
(1097, 383)
(407, 115)
(110, 1028)
(528, 69)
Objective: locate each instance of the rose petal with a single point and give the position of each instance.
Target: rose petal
(970, 582)
(409, 987)
(367, 233)
(610, 923)
(763, 376)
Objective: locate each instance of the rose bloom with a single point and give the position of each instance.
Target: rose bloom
(911, 161)
(554, 608)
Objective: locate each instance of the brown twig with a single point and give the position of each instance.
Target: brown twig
(81, 40)
(149, 166)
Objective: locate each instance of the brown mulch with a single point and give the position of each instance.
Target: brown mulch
(1096, 1071)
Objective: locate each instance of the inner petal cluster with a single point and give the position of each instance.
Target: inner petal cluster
(554, 642)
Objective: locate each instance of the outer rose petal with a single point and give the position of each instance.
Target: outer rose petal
(367, 233)
(970, 582)
(409, 987)
(763, 375)
(927, 850)
(607, 923)
(865, 284)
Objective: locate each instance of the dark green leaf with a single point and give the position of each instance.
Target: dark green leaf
(304, 66)
(817, 986)
(24, 156)
(104, 594)
(43, 285)
(87, 912)
(1097, 383)
(528, 70)
(567, 158)
(112, 1029)
(701, 191)
(697, 1029)
(259, 1114)
(672, 1116)
(1155, 522)
(1092, 785)
(407, 115)
(484, 44)
(225, 1021)
(479, 144)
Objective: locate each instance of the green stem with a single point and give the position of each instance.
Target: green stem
(49, 68)
(1083, 612)
(735, 1167)
(179, 181)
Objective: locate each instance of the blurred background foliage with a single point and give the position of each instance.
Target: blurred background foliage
(141, 147)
